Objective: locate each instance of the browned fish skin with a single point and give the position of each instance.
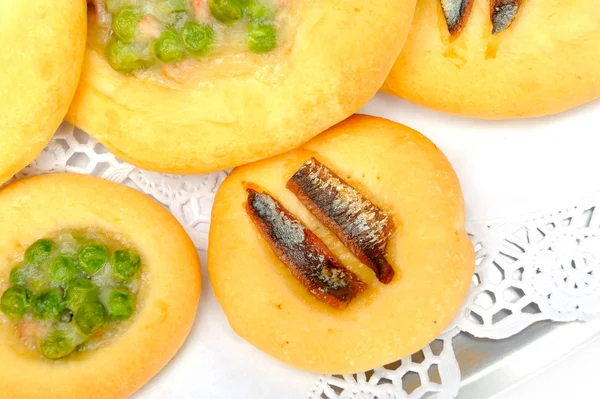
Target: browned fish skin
(357, 222)
(504, 13)
(309, 260)
(456, 13)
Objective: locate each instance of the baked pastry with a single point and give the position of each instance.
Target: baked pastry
(99, 288)
(193, 86)
(498, 59)
(42, 45)
(343, 255)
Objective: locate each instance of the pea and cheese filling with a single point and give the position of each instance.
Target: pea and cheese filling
(146, 34)
(71, 292)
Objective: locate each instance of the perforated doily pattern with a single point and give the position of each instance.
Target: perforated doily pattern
(546, 267)
(188, 198)
(431, 371)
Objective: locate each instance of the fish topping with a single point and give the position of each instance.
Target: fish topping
(363, 227)
(456, 13)
(305, 255)
(504, 13)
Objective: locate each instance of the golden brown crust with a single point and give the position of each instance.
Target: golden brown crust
(341, 52)
(42, 44)
(430, 251)
(545, 62)
(39, 206)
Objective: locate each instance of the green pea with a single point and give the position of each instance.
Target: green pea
(262, 38)
(90, 317)
(227, 11)
(197, 38)
(15, 302)
(125, 23)
(62, 270)
(125, 264)
(168, 47)
(80, 291)
(56, 345)
(120, 304)
(125, 58)
(174, 6)
(91, 258)
(258, 11)
(48, 305)
(18, 275)
(35, 279)
(39, 251)
(31, 277)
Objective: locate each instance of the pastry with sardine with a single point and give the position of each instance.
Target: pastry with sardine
(500, 59)
(343, 255)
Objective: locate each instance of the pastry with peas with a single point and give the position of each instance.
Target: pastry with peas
(99, 287)
(194, 86)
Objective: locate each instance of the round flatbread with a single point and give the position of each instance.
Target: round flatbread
(43, 46)
(167, 292)
(251, 85)
(376, 318)
(504, 59)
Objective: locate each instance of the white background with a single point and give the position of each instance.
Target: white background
(575, 377)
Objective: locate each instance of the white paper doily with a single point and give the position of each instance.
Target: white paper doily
(546, 266)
